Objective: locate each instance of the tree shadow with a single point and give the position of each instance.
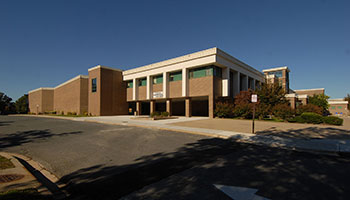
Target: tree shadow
(23, 137)
(5, 123)
(277, 173)
(308, 133)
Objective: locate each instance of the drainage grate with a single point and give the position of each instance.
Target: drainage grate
(10, 177)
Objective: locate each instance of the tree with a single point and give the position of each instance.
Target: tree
(320, 100)
(347, 98)
(270, 95)
(6, 104)
(22, 104)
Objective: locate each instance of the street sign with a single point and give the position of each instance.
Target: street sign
(254, 98)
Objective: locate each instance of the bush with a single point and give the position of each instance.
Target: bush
(332, 120)
(297, 119)
(223, 110)
(165, 114)
(312, 118)
(86, 113)
(243, 110)
(154, 114)
(309, 108)
(283, 111)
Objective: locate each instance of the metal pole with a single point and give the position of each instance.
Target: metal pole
(253, 118)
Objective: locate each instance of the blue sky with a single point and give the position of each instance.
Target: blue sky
(44, 43)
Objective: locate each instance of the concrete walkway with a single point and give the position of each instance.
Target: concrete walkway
(325, 145)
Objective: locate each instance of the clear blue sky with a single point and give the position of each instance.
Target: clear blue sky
(44, 43)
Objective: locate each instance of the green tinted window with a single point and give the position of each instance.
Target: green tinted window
(340, 107)
(175, 76)
(333, 107)
(158, 79)
(201, 72)
(142, 82)
(130, 84)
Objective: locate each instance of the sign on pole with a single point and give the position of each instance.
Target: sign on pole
(254, 98)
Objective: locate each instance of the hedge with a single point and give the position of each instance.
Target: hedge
(333, 120)
(313, 118)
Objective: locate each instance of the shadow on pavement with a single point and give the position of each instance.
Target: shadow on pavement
(277, 173)
(5, 123)
(308, 133)
(22, 137)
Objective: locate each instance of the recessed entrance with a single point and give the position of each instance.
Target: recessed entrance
(178, 107)
(200, 106)
(145, 108)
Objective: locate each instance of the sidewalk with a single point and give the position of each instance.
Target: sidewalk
(325, 145)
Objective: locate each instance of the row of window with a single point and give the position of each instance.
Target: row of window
(177, 76)
(339, 107)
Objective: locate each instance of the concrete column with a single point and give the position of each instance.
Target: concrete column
(236, 83)
(152, 107)
(149, 87)
(211, 104)
(134, 89)
(168, 106)
(246, 82)
(184, 82)
(188, 107)
(253, 84)
(138, 108)
(165, 84)
(226, 82)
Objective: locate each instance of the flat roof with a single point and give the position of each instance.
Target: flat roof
(276, 69)
(188, 57)
(338, 102)
(72, 79)
(105, 67)
(314, 89)
(41, 88)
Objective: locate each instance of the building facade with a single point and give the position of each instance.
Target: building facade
(186, 86)
(339, 107)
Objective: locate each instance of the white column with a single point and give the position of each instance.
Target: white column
(149, 87)
(184, 82)
(165, 84)
(226, 82)
(134, 89)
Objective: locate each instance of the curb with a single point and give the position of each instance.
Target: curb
(44, 177)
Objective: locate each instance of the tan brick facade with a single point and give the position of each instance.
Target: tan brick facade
(41, 100)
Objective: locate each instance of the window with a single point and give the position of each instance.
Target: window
(158, 79)
(93, 85)
(278, 74)
(205, 71)
(130, 84)
(217, 72)
(175, 76)
(340, 107)
(333, 107)
(142, 82)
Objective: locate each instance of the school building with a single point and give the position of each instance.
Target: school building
(184, 86)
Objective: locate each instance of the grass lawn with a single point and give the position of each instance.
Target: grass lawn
(5, 163)
(27, 194)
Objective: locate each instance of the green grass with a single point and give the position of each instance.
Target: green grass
(5, 163)
(27, 194)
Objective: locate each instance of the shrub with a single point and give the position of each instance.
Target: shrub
(74, 113)
(312, 118)
(223, 110)
(309, 108)
(297, 119)
(283, 111)
(86, 113)
(154, 114)
(243, 110)
(332, 120)
(69, 113)
(165, 114)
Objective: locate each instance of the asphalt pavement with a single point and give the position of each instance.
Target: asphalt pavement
(99, 161)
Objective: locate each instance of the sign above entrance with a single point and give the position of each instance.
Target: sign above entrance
(158, 94)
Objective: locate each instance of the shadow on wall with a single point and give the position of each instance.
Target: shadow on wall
(23, 137)
(308, 133)
(278, 174)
